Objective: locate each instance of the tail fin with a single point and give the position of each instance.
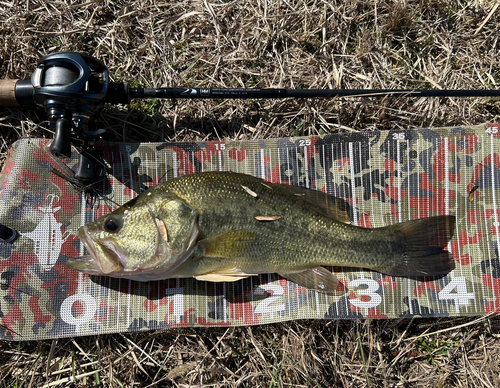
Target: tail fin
(421, 246)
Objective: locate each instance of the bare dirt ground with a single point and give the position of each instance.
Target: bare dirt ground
(265, 44)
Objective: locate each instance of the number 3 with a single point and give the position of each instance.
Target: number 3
(370, 291)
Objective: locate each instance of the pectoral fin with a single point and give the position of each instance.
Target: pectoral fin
(229, 244)
(317, 278)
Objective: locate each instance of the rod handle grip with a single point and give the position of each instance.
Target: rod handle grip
(8, 92)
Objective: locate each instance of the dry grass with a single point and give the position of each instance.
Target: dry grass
(291, 44)
(297, 354)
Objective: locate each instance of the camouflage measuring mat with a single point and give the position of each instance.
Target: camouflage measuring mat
(388, 176)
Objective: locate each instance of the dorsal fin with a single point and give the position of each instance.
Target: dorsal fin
(335, 208)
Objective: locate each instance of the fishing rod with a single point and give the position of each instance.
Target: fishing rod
(73, 87)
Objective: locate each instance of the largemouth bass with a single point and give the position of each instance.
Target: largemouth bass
(222, 226)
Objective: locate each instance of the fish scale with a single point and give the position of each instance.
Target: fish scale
(223, 226)
(299, 228)
(302, 230)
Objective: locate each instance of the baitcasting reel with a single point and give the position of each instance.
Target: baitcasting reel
(71, 87)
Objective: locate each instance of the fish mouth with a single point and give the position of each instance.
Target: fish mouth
(85, 238)
(103, 258)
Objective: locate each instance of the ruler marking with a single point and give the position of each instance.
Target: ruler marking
(398, 153)
(484, 290)
(129, 296)
(418, 180)
(306, 166)
(334, 162)
(353, 181)
(371, 182)
(446, 177)
(410, 307)
(246, 172)
(335, 170)
(236, 164)
(108, 317)
(468, 247)
(488, 241)
(206, 301)
(361, 164)
(174, 164)
(262, 172)
(146, 311)
(447, 200)
(408, 179)
(493, 188)
(324, 170)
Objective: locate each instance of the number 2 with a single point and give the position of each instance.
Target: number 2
(265, 305)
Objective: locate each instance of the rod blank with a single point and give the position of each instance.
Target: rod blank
(193, 93)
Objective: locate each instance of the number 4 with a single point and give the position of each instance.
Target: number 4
(461, 297)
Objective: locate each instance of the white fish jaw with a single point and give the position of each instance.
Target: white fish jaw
(104, 258)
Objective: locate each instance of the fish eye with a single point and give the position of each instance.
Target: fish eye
(112, 224)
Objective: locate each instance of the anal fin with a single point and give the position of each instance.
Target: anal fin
(317, 278)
